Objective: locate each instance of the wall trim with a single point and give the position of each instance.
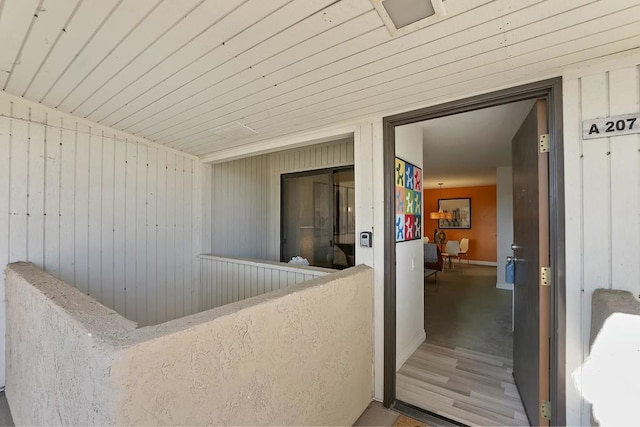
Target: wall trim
(279, 144)
(410, 349)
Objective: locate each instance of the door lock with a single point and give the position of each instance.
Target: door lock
(514, 247)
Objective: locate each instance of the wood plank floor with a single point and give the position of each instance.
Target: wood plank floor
(464, 385)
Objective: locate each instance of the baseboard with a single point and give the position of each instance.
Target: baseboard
(504, 285)
(411, 348)
(489, 263)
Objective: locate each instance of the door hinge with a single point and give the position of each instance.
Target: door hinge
(545, 276)
(543, 143)
(545, 409)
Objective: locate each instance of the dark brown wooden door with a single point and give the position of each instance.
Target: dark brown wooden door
(531, 251)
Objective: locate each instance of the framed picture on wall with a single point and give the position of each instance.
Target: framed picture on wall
(460, 210)
(408, 201)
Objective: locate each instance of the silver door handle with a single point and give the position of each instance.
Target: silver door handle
(511, 259)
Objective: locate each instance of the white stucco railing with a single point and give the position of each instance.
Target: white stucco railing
(301, 355)
(225, 279)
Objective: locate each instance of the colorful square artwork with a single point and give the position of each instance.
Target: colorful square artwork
(400, 195)
(408, 201)
(408, 227)
(399, 173)
(417, 179)
(400, 228)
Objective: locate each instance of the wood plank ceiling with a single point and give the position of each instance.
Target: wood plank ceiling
(174, 71)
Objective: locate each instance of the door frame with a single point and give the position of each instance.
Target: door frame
(551, 90)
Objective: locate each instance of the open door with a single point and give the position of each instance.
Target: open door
(531, 252)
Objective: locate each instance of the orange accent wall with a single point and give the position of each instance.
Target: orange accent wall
(483, 232)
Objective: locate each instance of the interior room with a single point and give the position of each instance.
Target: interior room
(455, 346)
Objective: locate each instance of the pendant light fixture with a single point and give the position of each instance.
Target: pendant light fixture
(440, 214)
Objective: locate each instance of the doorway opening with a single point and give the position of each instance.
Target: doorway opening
(467, 312)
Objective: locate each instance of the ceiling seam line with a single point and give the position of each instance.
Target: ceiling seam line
(24, 41)
(164, 59)
(257, 79)
(342, 59)
(416, 73)
(110, 52)
(221, 81)
(182, 18)
(53, 45)
(200, 75)
(225, 62)
(84, 46)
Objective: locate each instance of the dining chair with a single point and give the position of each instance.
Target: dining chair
(451, 250)
(464, 249)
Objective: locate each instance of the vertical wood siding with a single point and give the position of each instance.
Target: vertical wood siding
(602, 199)
(227, 280)
(113, 217)
(245, 206)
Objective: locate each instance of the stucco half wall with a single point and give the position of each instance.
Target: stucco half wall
(297, 356)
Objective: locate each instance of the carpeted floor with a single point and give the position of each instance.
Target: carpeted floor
(468, 311)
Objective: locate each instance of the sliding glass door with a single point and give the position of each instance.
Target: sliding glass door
(318, 217)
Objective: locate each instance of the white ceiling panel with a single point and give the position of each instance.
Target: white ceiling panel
(99, 44)
(239, 53)
(16, 21)
(148, 31)
(53, 16)
(86, 20)
(171, 71)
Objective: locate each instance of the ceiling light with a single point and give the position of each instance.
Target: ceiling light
(402, 16)
(440, 214)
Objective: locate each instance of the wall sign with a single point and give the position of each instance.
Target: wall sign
(611, 126)
(408, 182)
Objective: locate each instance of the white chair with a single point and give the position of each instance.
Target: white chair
(451, 250)
(464, 248)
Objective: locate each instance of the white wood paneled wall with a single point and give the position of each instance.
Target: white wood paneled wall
(112, 216)
(246, 197)
(226, 280)
(602, 201)
(239, 219)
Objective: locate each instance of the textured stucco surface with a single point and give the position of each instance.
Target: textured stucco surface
(60, 346)
(301, 355)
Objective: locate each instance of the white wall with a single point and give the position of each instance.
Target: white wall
(109, 213)
(225, 280)
(240, 197)
(410, 331)
(504, 200)
(246, 194)
(602, 198)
